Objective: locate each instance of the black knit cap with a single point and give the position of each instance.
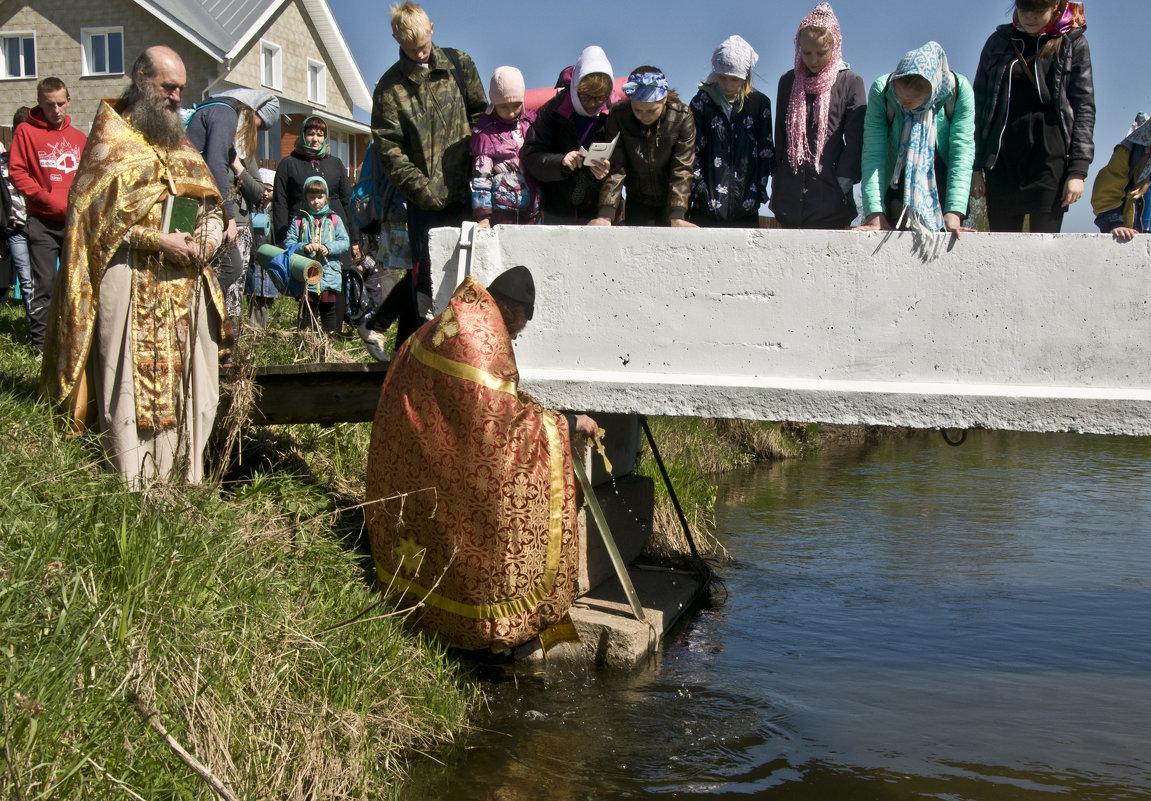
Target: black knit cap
(517, 286)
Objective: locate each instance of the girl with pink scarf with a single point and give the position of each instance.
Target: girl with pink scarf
(818, 130)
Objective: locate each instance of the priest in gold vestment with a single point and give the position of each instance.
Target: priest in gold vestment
(471, 497)
(135, 322)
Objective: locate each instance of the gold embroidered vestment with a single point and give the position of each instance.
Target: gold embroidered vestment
(122, 181)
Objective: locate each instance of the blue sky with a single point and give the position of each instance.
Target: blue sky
(542, 38)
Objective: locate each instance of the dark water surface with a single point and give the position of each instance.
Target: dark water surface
(908, 620)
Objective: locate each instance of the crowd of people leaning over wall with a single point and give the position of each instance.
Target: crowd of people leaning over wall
(920, 144)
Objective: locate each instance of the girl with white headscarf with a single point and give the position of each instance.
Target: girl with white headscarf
(573, 119)
(733, 146)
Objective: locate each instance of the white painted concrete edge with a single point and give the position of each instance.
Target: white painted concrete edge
(1023, 332)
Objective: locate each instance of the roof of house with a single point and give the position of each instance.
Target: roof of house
(225, 28)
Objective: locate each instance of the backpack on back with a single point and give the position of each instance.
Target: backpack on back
(375, 200)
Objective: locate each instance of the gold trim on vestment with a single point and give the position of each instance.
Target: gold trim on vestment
(460, 370)
(555, 509)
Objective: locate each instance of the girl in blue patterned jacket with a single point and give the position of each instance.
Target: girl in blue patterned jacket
(733, 148)
(320, 233)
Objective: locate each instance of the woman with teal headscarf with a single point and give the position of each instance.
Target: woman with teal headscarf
(918, 146)
(311, 157)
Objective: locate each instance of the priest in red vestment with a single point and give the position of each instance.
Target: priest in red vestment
(472, 502)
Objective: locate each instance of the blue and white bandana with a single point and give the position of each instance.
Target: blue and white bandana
(916, 157)
(646, 87)
(1140, 134)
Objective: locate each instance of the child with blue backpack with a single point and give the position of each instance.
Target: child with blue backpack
(320, 233)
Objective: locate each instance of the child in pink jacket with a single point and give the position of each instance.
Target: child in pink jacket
(502, 192)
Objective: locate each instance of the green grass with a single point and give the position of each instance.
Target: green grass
(239, 616)
(693, 451)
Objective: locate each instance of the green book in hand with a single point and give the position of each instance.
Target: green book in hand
(180, 214)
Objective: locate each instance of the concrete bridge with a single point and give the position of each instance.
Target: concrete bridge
(1025, 332)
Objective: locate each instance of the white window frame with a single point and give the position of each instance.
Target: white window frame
(320, 97)
(87, 65)
(21, 36)
(341, 143)
(277, 54)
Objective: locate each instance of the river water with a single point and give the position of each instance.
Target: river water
(904, 620)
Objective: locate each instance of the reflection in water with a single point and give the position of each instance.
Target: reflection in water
(912, 621)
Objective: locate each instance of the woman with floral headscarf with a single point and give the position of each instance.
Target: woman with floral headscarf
(1119, 196)
(733, 147)
(1034, 116)
(818, 130)
(654, 157)
(918, 146)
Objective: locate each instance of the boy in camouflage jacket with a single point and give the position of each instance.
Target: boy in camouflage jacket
(423, 111)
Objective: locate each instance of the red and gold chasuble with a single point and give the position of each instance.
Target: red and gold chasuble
(471, 494)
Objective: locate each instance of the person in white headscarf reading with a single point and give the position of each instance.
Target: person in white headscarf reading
(575, 118)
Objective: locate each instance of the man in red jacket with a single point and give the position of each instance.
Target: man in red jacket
(45, 153)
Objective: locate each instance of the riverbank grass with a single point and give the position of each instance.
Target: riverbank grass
(237, 619)
(694, 451)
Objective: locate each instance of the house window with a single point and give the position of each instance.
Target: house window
(270, 68)
(317, 83)
(340, 149)
(268, 143)
(19, 55)
(103, 51)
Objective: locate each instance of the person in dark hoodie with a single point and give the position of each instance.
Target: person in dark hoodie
(224, 129)
(1034, 116)
(44, 156)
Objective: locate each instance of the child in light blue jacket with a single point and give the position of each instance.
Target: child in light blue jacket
(320, 233)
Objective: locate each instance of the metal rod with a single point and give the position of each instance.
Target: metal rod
(670, 488)
(608, 541)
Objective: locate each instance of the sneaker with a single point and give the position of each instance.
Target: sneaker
(374, 341)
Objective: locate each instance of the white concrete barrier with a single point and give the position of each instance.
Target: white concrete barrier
(1028, 332)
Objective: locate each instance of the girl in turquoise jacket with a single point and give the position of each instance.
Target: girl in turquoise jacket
(320, 234)
(918, 146)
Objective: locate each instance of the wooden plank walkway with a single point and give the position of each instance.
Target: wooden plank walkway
(317, 393)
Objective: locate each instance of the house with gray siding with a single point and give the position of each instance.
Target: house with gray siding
(292, 48)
